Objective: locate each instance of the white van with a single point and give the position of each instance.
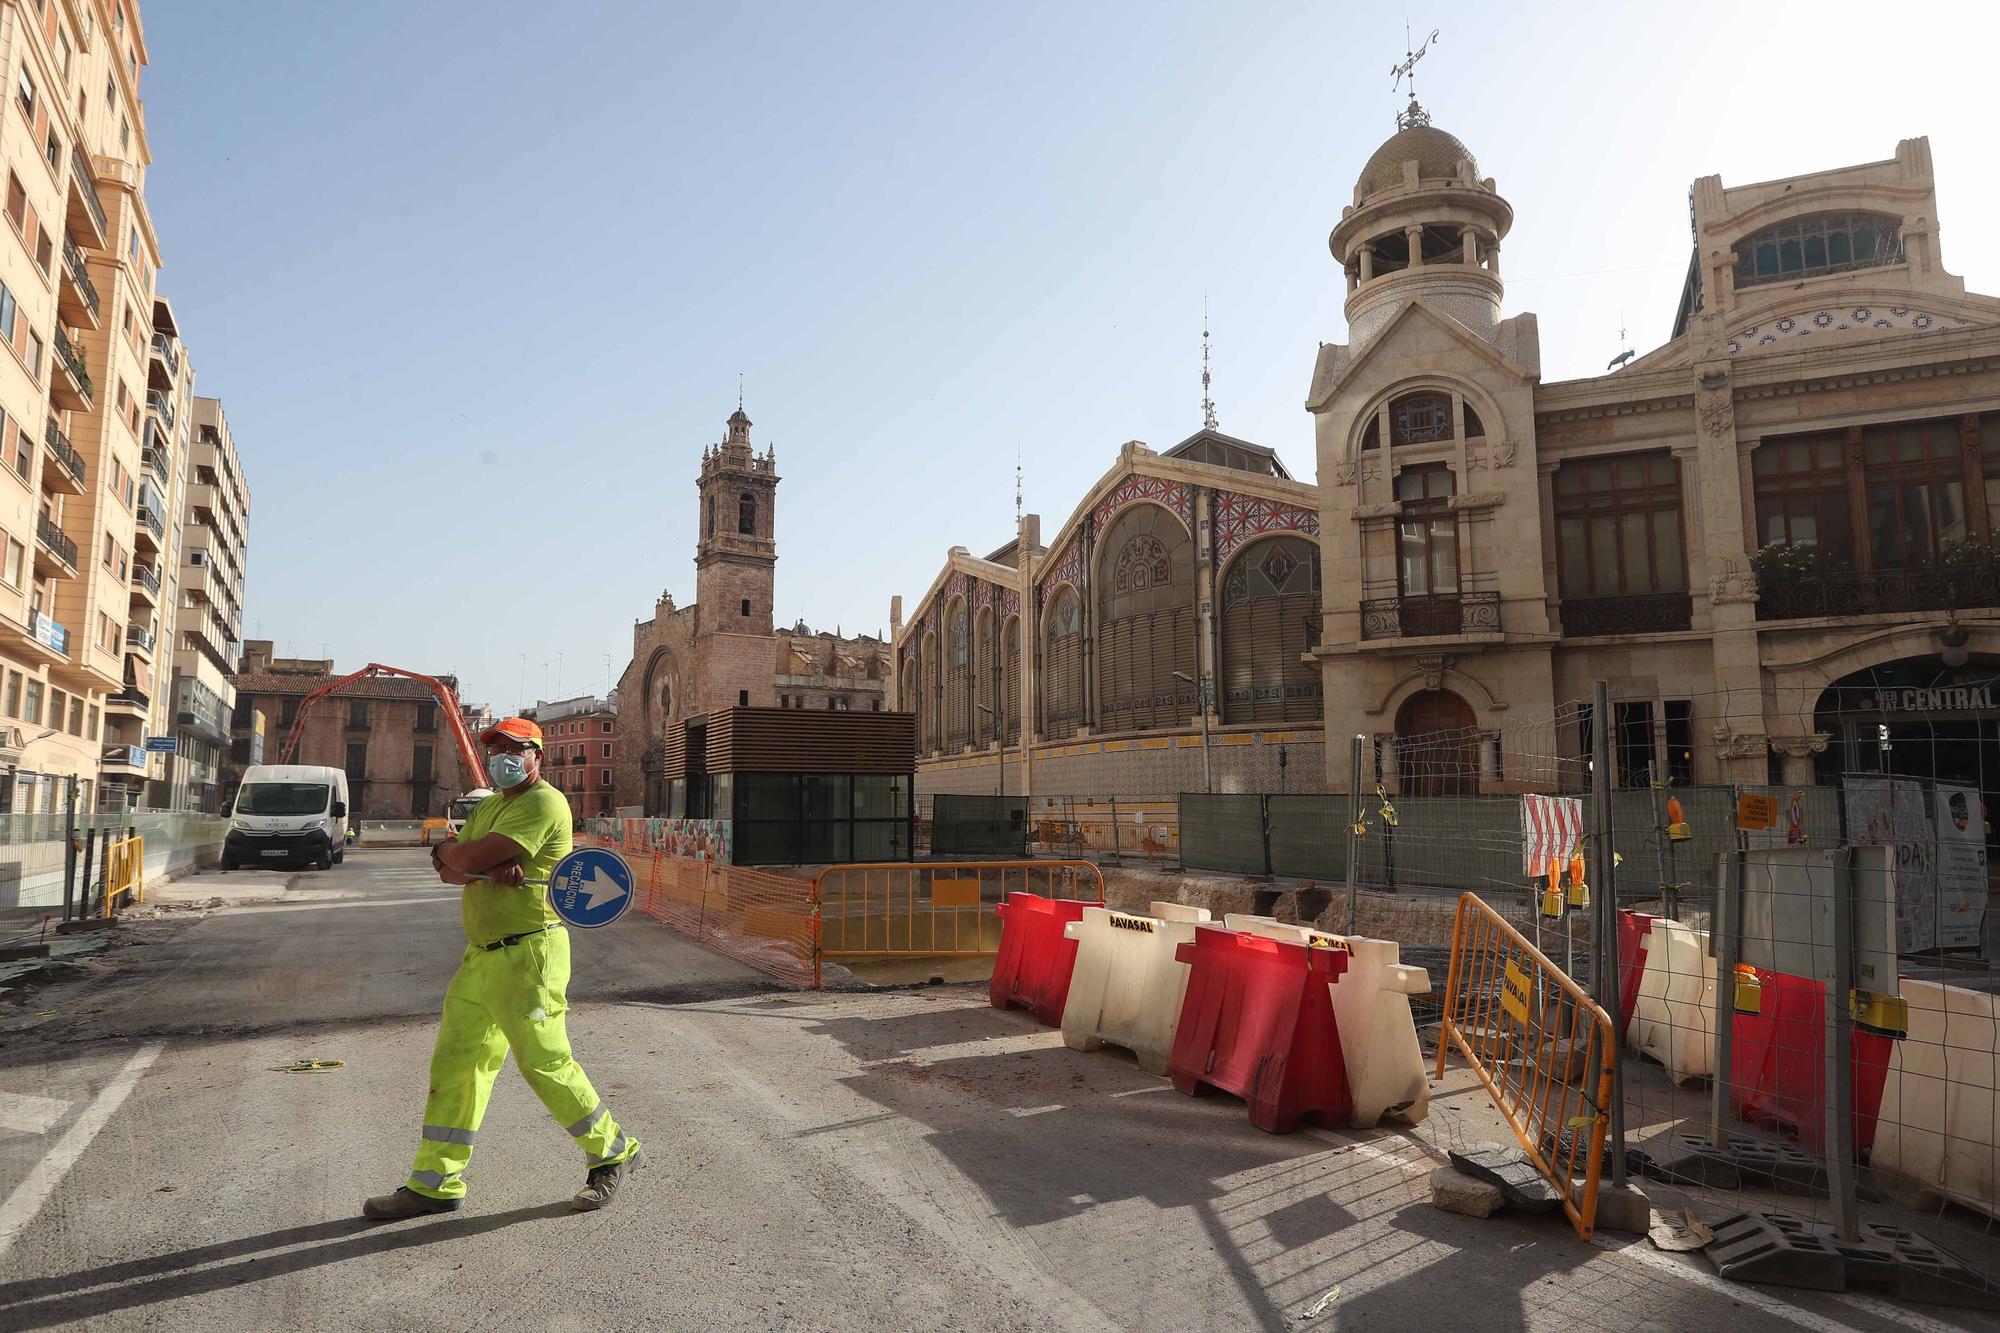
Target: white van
(288, 814)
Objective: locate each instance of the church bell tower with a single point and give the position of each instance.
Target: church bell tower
(735, 560)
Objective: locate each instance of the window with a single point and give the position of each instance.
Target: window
(1618, 527)
(1270, 618)
(1146, 622)
(743, 698)
(838, 703)
(17, 202)
(606, 727)
(1916, 492)
(288, 713)
(110, 91)
(110, 549)
(1632, 744)
(357, 761)
(45, 249)
(1419, 418)
(90, 726)
(604, 778)
(1063, 688)
(420, 764)
(16, 558)
(875, 706)
(56, 701)
(426, 717)
(64, 51)
(1818, 243)
(32, 710)
(52, 150)
(711, 516)
(746, 606)
(13, 694)
(35, 346)
(1680, 742)
(75, 716)
(124, 133)
(1426, 533)
(24, 92)
(1801, 489)
(607, 750)
(357, 713)
(746, 515)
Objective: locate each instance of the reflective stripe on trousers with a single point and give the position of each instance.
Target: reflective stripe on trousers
(501, 1000)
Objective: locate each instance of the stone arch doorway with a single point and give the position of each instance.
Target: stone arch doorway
(1437, 745)
(1913, 717)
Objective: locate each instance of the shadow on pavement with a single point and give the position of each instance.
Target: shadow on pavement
(45, 1302)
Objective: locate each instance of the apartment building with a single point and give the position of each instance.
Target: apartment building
(77, 319)
(211, 531)
(579, 751)
(388, 734)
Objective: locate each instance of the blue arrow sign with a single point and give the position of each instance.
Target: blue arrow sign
(590, 887)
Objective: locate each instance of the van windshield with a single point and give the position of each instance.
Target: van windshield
(282, 798)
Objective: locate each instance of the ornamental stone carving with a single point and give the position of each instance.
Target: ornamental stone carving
(1733, 585)
(1343, 474)
(1388, 509)
(1503, 454)
(1733, 744)
(1434, 669)
(1477, 500)
(1801, 747)
(1715, 418)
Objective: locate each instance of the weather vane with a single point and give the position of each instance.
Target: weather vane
(1412, 114)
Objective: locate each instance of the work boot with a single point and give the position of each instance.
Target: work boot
(601, 1185)
(406, 1202)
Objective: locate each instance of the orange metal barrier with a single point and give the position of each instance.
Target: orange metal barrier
(1542, 1047)
(124, 871)
(944, 909)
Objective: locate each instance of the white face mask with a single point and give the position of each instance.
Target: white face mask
(507, 770)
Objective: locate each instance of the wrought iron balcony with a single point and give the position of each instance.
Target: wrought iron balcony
(65, 452)
(139, 636)
(1430, 617)
(145, 578)
(1645, 613)
(80, 275)
(169, 355)
(157, 404)
(86, 189)
(155, 459)
(55, 541)
(1953, 586)
(71, 357)
(150, 517)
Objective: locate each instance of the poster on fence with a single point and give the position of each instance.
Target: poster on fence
(1961, 866)
(1551, 829)
(1883, 811)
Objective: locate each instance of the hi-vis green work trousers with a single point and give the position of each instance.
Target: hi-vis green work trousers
(511, 998)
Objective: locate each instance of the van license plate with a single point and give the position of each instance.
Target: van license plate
(275, 851)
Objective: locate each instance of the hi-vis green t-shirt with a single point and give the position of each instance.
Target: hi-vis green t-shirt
(538, 819)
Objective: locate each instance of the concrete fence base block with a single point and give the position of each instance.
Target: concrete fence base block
(1456, 1192)
(1512, 1172)
(1627, 1210)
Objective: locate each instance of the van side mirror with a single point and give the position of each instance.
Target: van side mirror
(340, 809)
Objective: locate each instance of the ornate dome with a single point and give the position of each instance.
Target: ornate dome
(1436, 154)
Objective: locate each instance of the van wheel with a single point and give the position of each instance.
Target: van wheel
(325, 861)
(340, 856)
(228, 862)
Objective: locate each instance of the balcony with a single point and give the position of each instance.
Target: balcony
(86, 211)
(131, 699)
(1453, 615)
(124, 760)
(158, 404)
(166, 358)
(138, 636)
(52, 634)
(77, 296)
(62, 462)
(150, 523)
(1804, 592)
(157, 463)
(70, 386)
(198, 708)
(1649, 613)
(145, 585)
(55, 553)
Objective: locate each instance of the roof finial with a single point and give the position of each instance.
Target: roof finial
(1412, 115)
(739, 391)
(1207, 403)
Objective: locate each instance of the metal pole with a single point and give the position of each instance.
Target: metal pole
(1840, 1062)
(69, 847)
(1604, 944)
(1353, 838)
(89, 853)
(1723, 927)
(1207, 781)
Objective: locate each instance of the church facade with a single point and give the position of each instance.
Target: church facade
(723, 651)
(1755, 533)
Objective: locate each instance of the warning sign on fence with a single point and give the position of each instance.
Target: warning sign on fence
(1756, 812)
(1514, 989)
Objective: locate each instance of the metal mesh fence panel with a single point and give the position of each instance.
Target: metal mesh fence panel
(1308, 836)
(1223, 832)
(979, 825)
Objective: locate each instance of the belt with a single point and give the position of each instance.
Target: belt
(513, 939)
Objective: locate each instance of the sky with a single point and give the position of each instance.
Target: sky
(476, 281)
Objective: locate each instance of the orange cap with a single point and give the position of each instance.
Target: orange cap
(517, 728)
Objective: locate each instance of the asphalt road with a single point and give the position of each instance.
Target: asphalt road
(888, 1160)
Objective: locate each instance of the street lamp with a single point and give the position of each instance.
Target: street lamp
(1201, 690)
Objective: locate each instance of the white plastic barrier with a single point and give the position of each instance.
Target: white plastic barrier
(1378, 1033)
(1938, 1126)
(1673, 1019)
(1127, 985)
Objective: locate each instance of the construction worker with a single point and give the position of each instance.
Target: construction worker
(509, 991)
